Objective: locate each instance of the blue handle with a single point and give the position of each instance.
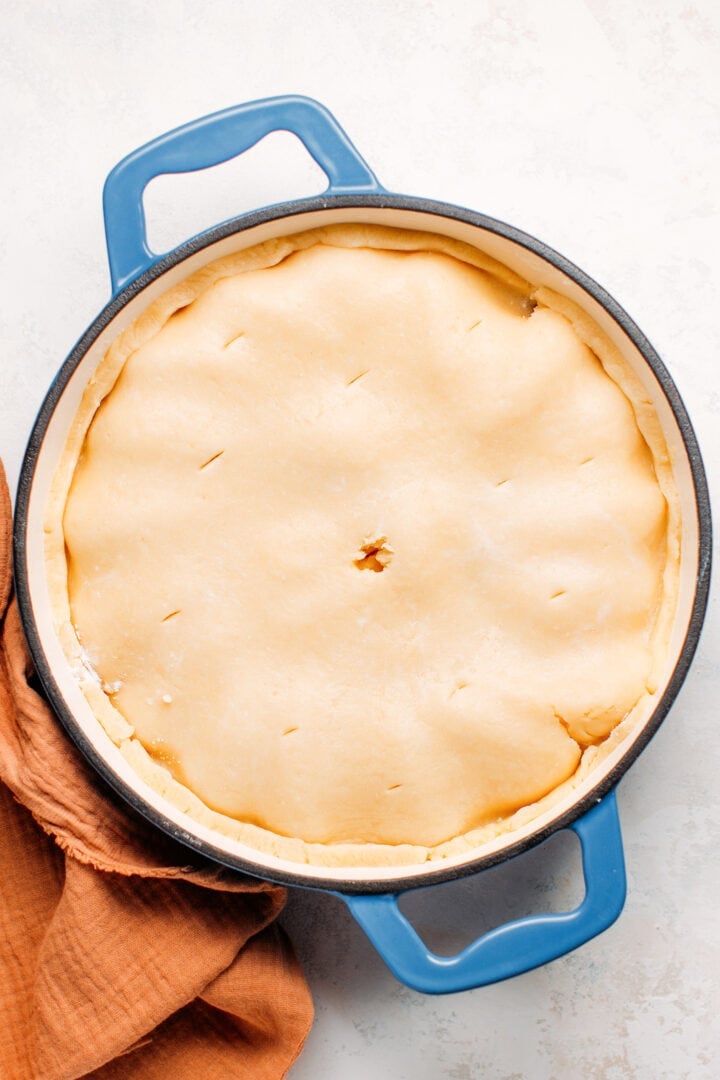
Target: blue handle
(210, 141)
(518, 946)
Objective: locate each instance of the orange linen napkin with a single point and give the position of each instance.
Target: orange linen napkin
(122, 955)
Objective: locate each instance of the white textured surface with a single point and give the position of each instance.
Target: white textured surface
(594, 125)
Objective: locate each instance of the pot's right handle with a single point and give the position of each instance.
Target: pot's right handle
(210, 141)
(518, 946)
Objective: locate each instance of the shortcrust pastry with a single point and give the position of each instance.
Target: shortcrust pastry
(359, 539)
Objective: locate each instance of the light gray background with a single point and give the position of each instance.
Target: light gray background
(595, 125)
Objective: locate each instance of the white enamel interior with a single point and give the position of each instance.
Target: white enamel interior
(514, 255)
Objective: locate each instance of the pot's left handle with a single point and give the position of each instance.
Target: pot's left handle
(210, 141)
(517, 946)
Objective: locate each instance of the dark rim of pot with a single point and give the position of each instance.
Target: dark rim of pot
(436, 873)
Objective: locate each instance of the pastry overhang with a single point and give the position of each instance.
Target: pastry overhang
(363, 541)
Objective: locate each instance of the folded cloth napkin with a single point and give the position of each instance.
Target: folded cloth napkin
(122, 955)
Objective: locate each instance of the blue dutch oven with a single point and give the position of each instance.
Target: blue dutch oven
(138, 277)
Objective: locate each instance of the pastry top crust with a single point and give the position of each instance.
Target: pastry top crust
(370, 545)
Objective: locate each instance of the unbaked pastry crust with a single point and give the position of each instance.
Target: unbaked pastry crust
(455, 727)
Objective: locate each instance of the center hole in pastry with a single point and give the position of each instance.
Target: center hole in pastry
(375, 554)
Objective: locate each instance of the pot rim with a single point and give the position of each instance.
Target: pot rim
(436, 873)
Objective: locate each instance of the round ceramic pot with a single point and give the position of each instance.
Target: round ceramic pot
(138, 277)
